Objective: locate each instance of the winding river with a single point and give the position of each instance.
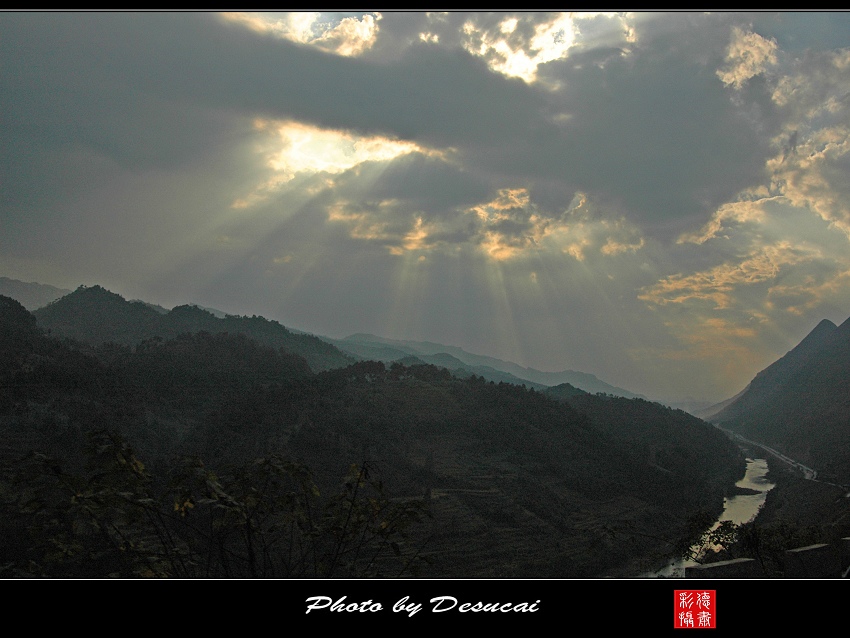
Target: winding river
(738, 509)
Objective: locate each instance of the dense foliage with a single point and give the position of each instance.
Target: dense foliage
(263, 519)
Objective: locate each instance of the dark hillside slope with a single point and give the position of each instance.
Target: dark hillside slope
(516, 483)
(519, 485)
(801, 403)
(672, 441)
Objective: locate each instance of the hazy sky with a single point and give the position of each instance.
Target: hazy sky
(660, 199)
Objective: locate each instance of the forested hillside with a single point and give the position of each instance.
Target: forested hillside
(213, 454)
(95, 315)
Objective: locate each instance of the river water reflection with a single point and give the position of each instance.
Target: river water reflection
(738, 509)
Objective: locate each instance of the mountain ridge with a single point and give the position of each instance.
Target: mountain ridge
(358, 346)
(94, 315)
(799, 405)
(30, 295)
(537, 378)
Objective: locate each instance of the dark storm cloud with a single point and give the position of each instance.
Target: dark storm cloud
(652, 134)
(647, 128)
(145, 89)
(663, 146)
(533, 217)
(115, 83)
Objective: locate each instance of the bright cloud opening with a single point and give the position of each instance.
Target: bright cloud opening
(748, 55)
(296, 149)
(311, 149)
(347, 36)
(516, 55)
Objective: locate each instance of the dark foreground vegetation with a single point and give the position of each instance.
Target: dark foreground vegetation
(216, 454)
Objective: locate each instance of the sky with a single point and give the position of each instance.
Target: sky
(659, 199)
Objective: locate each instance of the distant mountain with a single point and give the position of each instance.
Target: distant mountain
(367, 346)
(112, 318)
(95, 315)
(800, 404)
(708, 412)
(410, 356)
(29, 294)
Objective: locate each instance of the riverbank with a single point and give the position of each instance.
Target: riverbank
(794, 506)
(742, 505)
(802, 503)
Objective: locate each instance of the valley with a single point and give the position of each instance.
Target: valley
(491, 478)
